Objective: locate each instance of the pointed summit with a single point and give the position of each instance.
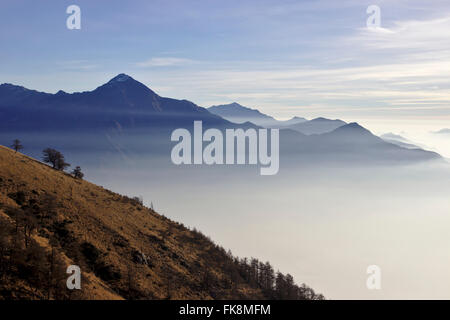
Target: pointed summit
(123, 80)
(122, 77)
(132, 87)
(353, 126)
(353, 133)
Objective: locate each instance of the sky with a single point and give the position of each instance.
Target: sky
(306, 58)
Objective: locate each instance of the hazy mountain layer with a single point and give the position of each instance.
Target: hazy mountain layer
(126, 117)
(237, 113)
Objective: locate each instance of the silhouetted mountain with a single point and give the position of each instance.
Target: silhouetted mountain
(237, 113)
(352, 133)
(12, 95)
(126, 117)
(122, 102)
(317, 126)
(352, 143)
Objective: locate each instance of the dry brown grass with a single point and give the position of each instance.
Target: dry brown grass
(121, 230)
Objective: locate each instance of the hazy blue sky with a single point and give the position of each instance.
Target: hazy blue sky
(287, 58)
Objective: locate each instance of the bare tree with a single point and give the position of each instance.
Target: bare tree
(17, 145)
(55, 158)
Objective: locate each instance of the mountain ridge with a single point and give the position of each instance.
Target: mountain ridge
(317, 126)
(127, 110)
(238, 113)
(442, 131)
(122, 100)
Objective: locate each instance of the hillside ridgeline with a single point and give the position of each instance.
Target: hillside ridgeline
(49, 220)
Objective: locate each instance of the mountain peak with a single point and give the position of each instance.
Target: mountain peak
(122, 77)
(124, 81)
(230, 106)
(353, 127)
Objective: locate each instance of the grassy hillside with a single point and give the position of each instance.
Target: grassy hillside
(49, 220)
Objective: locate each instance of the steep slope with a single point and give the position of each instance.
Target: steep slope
(49, 220)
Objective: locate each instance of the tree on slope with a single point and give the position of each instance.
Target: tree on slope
(55, 158)
(17, 145)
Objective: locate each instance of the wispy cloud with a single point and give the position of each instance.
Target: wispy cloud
(164, 62)
(405, 66)
(285, 57)
(408, 34)
(77, 65)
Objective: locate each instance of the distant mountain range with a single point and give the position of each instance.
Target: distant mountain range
(239, 114)
(352, 143)
(141, 120)
(399, 140)
(443, 131)
(317, 126)
(393, 136)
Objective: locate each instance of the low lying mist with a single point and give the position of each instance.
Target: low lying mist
(323, 223)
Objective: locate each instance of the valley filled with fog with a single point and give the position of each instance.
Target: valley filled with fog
(324, 224)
